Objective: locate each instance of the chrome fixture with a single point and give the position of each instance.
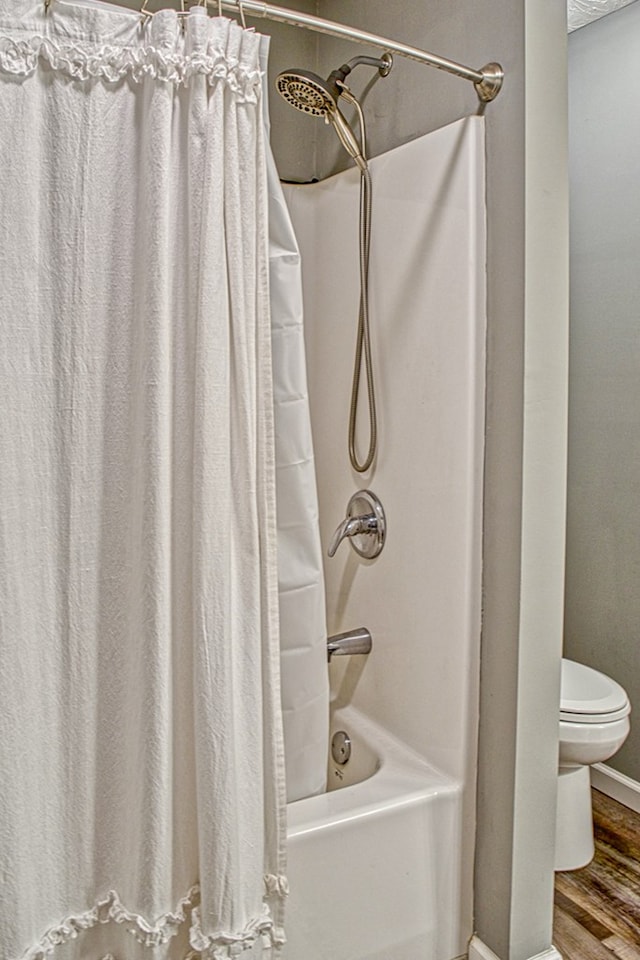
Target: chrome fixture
(346, 644)
(341, 747)
(310, 94)
(365, 526)
(487, 80)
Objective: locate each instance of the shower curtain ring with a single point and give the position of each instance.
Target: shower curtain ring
(144, 13)
(242, 19)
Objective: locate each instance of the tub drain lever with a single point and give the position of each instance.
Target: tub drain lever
(353, 641)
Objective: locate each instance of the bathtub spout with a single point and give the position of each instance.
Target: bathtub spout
(353, 641)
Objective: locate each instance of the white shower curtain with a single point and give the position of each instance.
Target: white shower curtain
(303, 630)
(141, 755)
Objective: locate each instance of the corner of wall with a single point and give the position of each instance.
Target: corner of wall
(525, 501)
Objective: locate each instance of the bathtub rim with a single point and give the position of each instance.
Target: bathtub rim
(403, 778)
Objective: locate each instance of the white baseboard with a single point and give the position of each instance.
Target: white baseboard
(480, 951)
(616, 785)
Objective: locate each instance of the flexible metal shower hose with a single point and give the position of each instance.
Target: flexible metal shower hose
(363, 341)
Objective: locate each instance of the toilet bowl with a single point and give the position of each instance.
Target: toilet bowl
(594, 723)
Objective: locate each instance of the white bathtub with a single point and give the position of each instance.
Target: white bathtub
(374, 862)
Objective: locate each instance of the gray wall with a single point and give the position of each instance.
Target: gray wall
(602, 623)
(524, 521)
(294, 143)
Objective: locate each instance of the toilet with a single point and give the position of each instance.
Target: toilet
(594, 723)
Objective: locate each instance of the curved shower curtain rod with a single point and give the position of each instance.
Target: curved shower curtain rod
(487, 80)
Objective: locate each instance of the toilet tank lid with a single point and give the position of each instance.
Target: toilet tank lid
(589, 692)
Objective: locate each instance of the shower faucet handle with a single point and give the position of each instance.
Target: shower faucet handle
(364, 526)
(351, 528)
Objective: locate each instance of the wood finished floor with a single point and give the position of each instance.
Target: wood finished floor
(597, 909)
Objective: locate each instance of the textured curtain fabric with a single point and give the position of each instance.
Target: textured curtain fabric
(141, 756)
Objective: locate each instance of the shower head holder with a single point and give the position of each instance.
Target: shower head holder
(337, 77)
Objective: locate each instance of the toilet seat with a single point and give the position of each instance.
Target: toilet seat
(588, 696)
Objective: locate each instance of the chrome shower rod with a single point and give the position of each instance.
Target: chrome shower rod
(487, 80)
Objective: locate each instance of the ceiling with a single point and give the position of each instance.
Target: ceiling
(582, 12)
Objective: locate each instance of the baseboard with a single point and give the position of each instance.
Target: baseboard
(616, 785)
(480, 951)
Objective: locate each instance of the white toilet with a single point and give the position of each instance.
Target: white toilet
(594, 723)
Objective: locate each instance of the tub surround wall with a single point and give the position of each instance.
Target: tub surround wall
(421, 598)
(603, 549)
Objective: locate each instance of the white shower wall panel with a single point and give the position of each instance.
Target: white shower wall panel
(421, 598)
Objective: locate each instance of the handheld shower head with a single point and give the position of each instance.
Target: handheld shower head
(311, 94)
(348, 138)
(306, 91)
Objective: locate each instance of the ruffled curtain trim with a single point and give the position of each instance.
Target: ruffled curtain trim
(113, 63)
(216, 946)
